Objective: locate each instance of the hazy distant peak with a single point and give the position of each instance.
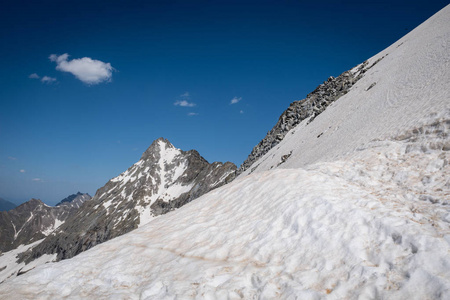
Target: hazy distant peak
(74, 197)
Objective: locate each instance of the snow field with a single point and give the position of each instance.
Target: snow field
(360, 210)
(336, 230)
(412, 82)
(9, 267)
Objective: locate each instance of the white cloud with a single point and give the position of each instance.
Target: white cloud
(86, 69)
(47, 79)
(241, 112)
(235, 100)
(184, 103)
(37, 179)
(192, 114)
(12, 158)
(22, 171)
(34, 76)
(184, 100)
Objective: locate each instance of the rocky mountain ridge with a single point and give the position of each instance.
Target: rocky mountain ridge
(74, 200)
(34, 220)
(164, 179)
(309, 108)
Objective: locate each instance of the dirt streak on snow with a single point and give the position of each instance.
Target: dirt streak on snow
(361, 212)
(352, 228)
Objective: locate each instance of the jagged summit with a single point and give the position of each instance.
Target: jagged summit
(165, 178)
(32, 201)
(74, 199)
(157, 146)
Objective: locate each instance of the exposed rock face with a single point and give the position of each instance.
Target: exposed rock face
(164, 179)
(34, 220)
(75, 200)
(5, 205)
(309, 108)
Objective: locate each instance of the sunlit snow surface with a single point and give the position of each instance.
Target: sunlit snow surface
(369, 221)
(347, 229)
(9, 266)
(412, 82)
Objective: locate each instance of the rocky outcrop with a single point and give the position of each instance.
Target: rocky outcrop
(74, 200)
(307, 109)
(34, 220)
(164, 179)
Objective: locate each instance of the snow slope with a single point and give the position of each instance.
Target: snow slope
(360, 212)
(412, 82)
(164, 179)
(334, 230)
(10, 267)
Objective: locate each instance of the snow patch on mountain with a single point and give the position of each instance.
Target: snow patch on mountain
(52, 227)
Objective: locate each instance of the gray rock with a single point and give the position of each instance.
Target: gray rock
(309, 108)
(165, 178)
(34, 220)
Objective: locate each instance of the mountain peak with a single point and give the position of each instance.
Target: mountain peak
(36, 201)
(74, 197)
(158, 146)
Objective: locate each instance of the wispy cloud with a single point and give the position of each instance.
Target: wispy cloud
(235, 100)
(184, 100)
(241, 112)
(47, 79)
(22, 171)
(192, 114)
(184, 103)
(12, 158)
(86, 69)
(37, 179)
(44, 79)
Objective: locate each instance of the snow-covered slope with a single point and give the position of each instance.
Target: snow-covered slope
(364, 217)
(9, 267)
(25, 226)
(163, 179)
(409, 82)
(356, 228)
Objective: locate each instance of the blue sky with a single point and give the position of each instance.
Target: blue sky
(139, 70)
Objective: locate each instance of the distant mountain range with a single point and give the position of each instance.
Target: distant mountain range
(75, 200)
(6, 205)
(34, 220)
(164, 179)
